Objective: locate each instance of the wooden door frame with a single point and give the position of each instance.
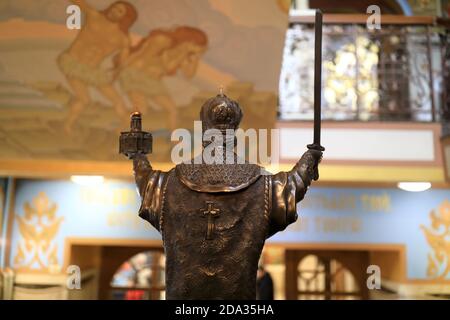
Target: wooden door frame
(93, 252)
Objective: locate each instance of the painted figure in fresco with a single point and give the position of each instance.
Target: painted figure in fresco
(104, 35)
(162, 53)
(214, 218)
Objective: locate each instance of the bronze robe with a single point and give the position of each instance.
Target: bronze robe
(214, 220)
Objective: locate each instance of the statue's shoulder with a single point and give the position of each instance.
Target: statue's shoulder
(218, 177)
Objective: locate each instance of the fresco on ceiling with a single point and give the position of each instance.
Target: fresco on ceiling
(67, 93)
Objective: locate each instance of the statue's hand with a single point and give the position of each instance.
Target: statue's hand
(313, 157)
(138, 157)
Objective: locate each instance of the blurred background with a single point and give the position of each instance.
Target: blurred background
(67, 198)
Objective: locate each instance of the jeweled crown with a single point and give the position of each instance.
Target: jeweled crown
(220, 112)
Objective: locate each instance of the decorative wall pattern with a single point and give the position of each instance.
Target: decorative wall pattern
(38, 227)
(438, 238)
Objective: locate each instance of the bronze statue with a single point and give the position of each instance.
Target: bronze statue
(215, 218)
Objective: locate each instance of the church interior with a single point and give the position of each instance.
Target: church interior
(375, 225)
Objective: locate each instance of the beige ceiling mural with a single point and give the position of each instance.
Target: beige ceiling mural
(66, 94)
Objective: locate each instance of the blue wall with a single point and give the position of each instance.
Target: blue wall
(374, 216)
(327, 215)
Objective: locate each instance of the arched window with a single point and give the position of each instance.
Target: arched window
(140, 278)
(325, 278)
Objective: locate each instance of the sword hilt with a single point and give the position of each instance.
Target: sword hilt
(315, 146)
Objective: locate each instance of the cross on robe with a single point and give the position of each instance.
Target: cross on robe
(211, 213)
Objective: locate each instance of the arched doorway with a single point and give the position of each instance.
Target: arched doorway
(106, 256)
(326, 275)
(141, 277)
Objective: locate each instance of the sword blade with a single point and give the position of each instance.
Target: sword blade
(317, 76)
(317, 81)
